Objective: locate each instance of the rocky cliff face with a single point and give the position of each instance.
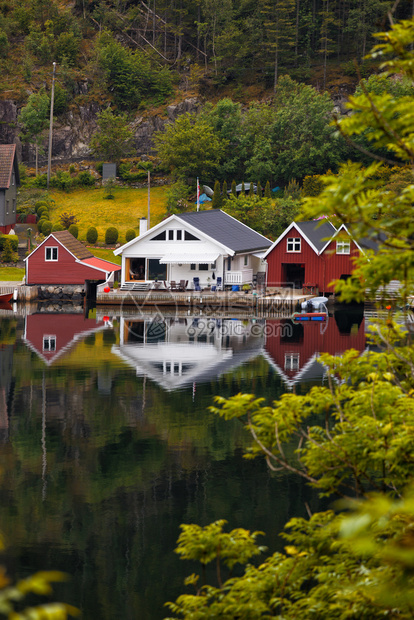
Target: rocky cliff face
(72, 131)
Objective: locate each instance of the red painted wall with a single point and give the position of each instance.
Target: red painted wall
(63, 271)
(279, 255)
(338, 264)
(319, 270)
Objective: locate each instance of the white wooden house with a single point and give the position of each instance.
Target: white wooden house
(203, 244)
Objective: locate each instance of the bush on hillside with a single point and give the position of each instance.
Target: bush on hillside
(92, 235)
(57, 227)
(47, 227)
(130, 234)
(12, 238)
(41, 210)
(85, 179)
(8, 255)
(74, 230)
(67, 219)
(40, 181)
(111, 235)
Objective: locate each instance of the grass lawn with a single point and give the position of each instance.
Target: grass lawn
(11, 274)
(123, 211)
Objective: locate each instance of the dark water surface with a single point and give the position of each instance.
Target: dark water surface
(107, 444)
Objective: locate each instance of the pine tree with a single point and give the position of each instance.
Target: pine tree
(267, 192)
(251, 191)
(233, 188)
(224, 190)
(217, 199)
(259, 191)
(279, 24)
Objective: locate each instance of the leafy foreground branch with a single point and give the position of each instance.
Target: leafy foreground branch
(13, 595)
(353, 438)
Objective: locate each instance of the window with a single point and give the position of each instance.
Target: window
(203, 267)
(49, 343)
(293, 244)
(179, 235)
(246, 260)
(13, 174)
(343, 247)
(170, 235)
(213, 265)
(291, 361)
(189, 237)
(14, 205)
(193, 266)
(51, 254)
(7, 206)
(161, 237)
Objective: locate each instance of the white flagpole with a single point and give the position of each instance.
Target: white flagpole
(198, 196)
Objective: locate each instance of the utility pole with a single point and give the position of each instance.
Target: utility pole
(52, 97)
(149, 187)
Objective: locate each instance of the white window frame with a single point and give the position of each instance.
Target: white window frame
(51, 343)
(292, 361)
(246, 260)
(294, 245)
(51, 253)
(343, 247)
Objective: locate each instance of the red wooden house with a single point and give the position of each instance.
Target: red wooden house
(311, 255)
(62, 259)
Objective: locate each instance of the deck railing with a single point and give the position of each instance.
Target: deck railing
(245, 276)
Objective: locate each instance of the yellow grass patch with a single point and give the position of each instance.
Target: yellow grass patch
(123, 211)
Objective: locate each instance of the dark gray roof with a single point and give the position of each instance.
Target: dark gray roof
(317, 232)
(226, 230)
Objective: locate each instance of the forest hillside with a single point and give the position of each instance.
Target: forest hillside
(155, 60)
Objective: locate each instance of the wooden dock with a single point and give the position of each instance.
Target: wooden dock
(221, 300)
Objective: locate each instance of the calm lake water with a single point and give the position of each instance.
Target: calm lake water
(107, 444)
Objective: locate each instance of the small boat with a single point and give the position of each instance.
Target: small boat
(314, 304)
(5, 297)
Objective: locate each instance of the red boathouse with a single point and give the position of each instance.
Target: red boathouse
(62, 259)
(310, 255)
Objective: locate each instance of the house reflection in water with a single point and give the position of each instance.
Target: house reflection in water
(51, 335)
(6, 365)
(177, 351)
(293, 349)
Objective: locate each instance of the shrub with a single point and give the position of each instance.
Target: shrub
(92, 235)
(85, 179)
(111, 235)
(14, 240)
(63, 181)
(39, 204)
(74, 230)
(47, 227)
(9, 255)
(99, 167)
(43, 210)
(67, 219)
(57, 227)
(312, 185)
(40, 181)
(130, 234)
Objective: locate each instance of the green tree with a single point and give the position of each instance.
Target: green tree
(114, 139)
(353, 435)
(34, 119)
(217, 201)
(189, 147)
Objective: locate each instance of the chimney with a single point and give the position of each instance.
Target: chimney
(143, 223)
